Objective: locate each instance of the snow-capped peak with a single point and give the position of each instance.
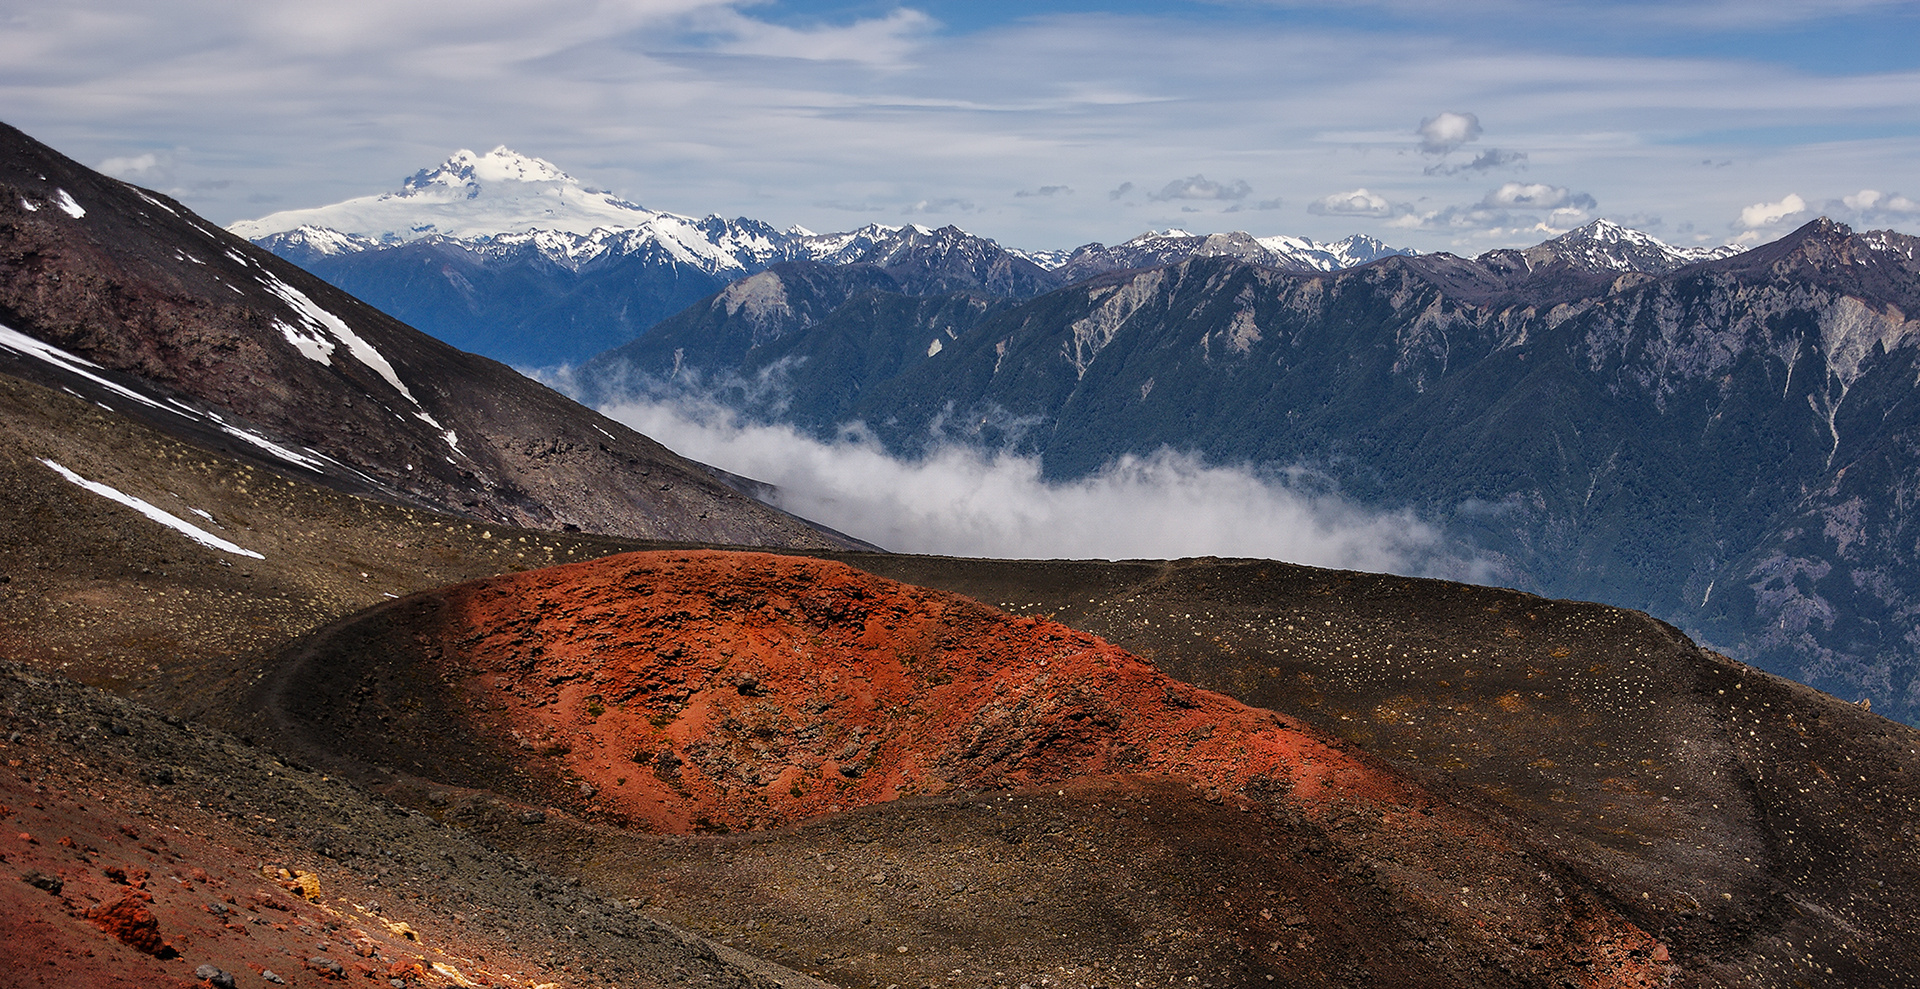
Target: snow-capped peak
(469, 196)
(1603, 245)
(503, 164)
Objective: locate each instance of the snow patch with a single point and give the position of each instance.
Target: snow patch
(67, 205)
(29, 207)
(27, 346)
(156, 202)
(313, 343)
(166, 518)
(247, 436)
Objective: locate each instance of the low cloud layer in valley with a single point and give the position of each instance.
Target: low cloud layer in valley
(965, 501)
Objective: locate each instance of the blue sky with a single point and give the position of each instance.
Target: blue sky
(1443, 126)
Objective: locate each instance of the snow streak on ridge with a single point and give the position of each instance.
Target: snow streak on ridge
(160, 515)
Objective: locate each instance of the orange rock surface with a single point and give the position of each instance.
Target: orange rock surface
(706, 690)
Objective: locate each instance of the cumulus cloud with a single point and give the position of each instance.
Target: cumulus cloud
(1872, 205)
(1535, 195)
(1201, 187)
(1121, 190)
(1446, 132)
(965, 501)
(1487, 160)
(1760, 219)
(1769, 214)
(1359, 202)
(1044, 191)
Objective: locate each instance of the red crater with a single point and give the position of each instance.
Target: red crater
(712, 690)
(708, 691)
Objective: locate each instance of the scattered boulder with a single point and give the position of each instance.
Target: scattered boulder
(326, 967)
(131, 922)
(38, 880)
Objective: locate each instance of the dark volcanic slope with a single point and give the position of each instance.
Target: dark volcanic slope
(207, 336)
(94, 589)
(716, 691)
(1763, 830)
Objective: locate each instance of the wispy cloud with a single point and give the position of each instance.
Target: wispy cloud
(1201, 187)
(886, 41)
(1487, 160)
(938, 206)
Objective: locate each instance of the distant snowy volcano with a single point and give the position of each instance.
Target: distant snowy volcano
(468, 195)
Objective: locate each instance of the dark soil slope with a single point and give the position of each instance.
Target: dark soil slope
(1764, 830)
(95, 590)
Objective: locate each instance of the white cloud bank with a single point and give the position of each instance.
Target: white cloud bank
(962, 501)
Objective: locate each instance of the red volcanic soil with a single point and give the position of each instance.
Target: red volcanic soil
(707, 691)
(139, 851)
(105, 882)
(744, 690)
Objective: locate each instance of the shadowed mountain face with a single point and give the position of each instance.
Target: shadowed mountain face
(127, 298)
(1726, 442)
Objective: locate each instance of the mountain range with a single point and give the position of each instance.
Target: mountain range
(280, 713)
(508, 256)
